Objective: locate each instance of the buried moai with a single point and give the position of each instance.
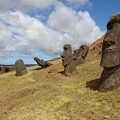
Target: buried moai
(20, 68)
(70, 61)
(5, 69)
(42, 63)
(110, 61)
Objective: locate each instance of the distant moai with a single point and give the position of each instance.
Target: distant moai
(70, 61)
(80, 54)
(42, 63)
(110, 61)
(20, 68)
(5, 69)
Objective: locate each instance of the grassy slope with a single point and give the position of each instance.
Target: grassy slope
(42, 96)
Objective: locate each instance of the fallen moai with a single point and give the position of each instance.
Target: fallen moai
(20, 68)
(70, 61)
(42, 63)
(110, 61)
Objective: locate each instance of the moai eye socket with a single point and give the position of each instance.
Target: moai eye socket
(110, 26)
(65, 48)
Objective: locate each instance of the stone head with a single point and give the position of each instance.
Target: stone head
(111, 43)
(20, 67)
(84, 49)
(67, 56)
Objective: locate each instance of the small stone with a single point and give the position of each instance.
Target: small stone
(52, 71)
(106, 117)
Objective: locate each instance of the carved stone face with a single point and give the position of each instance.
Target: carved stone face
(81, 52)
(67, 56)
(111, 44)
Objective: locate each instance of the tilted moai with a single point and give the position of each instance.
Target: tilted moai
(20, 68)
(70, 61)
(80, 54)
(110, 61)
(42, 63)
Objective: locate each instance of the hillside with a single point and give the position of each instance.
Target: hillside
(40, 95)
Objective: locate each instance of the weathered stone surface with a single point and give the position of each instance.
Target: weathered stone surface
(20, 68)
(110, 61)
(5, 69)
(70, 61)
(67, 60)
(42, 63)
(80, 54)
(110, 79)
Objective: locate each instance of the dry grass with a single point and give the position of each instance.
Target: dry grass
(42, 96)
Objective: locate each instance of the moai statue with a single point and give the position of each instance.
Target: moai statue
(70, 61)
(42, 63)
(2, 69)
(110, 61)
(20, 68)
(5, 69)
(67, 60)
(80, 54)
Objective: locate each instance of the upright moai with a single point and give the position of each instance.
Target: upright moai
(110, 61)
(70, 61)
(67, 60)
(20, 68)
(42, 63)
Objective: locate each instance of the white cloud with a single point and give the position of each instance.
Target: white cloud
(24, 34)
(38, 3)
(31, 34)
(78, 25)
(25, 4)
(81, 2)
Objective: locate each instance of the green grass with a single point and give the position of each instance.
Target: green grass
(42, 96)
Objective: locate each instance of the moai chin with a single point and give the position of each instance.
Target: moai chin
(20, 68)
(110, 61)
(70, 61)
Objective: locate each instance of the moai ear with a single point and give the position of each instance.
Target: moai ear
(85, 50)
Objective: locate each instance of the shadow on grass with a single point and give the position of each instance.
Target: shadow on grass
(61, 72)
(93, 84)
(38, 68)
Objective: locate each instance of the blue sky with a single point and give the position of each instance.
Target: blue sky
(30, 28)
